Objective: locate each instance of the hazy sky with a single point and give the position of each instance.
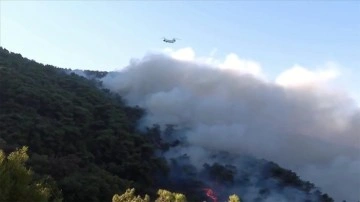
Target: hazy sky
(105, 35)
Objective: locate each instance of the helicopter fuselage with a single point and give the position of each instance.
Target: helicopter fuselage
(169, 40)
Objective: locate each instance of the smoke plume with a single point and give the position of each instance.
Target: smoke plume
(305, 126)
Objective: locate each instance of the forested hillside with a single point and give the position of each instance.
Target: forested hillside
(85, 139)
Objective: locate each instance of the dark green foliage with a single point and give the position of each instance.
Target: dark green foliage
(18, 183)
(219, 173)
(82, 136)
(95, 74)
(288, 178)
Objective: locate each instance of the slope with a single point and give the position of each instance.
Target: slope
(80, 135)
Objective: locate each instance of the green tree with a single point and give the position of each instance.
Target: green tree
(167, 196)
(234, 198)
(164, 196)
(129, 196)
(17, 183)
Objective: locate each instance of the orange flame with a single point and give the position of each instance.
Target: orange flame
(210, 193)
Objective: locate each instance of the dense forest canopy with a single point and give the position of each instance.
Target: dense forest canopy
(81, 136)
(84, 139)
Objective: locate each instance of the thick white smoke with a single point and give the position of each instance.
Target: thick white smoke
(296, 121)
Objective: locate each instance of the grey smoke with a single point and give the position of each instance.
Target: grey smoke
(309, 130)
(77, 72)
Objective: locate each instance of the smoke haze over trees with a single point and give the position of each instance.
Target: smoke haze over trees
(311, 128)
(213, 128)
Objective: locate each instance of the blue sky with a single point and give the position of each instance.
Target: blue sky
(105, 35)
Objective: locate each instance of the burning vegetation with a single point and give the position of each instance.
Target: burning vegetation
(87, 142)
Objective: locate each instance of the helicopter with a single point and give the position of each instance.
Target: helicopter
(169, 40)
